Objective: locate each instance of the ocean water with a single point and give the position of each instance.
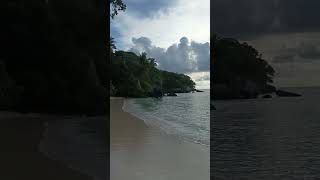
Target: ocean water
(276, 138)
(186, 116)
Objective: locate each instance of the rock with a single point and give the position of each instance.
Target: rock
(267, 96)
(157, 93)
(199, 90)
(286, 94)
(172, 94)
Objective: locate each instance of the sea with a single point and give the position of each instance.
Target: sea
(277, 138)
(186, 116)
(80, 142)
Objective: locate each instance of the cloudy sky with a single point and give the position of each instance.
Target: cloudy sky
(286, 32)
(174, 32)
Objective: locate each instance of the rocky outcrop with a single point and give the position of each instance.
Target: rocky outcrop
(180, 90)
(248, 90)
(266, 96)
(157, 93)
(286, 94)
(172, 94)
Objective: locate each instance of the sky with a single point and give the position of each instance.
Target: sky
(286, 32)
(174, 32)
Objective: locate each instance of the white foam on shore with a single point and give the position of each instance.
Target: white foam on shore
(166, 126)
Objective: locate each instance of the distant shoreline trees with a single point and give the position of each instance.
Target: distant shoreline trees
(137, 76)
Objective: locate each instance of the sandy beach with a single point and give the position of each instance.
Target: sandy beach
(20, 136)
(139, 152)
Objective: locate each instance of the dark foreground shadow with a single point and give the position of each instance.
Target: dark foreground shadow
(19, 154)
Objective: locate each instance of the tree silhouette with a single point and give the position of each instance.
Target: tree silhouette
(236, 64)
(116, 6)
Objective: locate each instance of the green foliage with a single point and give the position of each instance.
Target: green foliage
(137, 76)
(173, 82)
(116, 6)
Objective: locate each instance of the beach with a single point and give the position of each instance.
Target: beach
(143, 153)
(20, 156)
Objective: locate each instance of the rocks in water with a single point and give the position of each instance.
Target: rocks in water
(250, 91)
(172, 94)
(286, 94)
(266, 96)
(199, 90)
(157, 93)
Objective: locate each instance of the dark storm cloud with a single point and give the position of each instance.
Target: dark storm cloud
(283, 58)
(250, 18)
(183, 57)
(305, 52)
(309, 51)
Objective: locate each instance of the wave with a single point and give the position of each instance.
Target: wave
(171, 125)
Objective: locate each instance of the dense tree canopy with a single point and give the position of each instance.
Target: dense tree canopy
(137, 76)
(235, 65)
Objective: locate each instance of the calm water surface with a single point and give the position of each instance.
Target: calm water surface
(275, 138)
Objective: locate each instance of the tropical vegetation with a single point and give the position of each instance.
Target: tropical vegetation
(137, 76)
(239, 71)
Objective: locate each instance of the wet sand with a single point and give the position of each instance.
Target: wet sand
(20, 136)
(139, 152)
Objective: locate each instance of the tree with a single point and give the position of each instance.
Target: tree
(112, 44)
(236, 65)
(137, 76)
(116, 6)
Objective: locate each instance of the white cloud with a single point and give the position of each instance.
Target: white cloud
(184, 18)
(184, 57)
(202, 79)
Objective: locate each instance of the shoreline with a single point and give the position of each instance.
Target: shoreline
(144, 152)
(180, 138)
